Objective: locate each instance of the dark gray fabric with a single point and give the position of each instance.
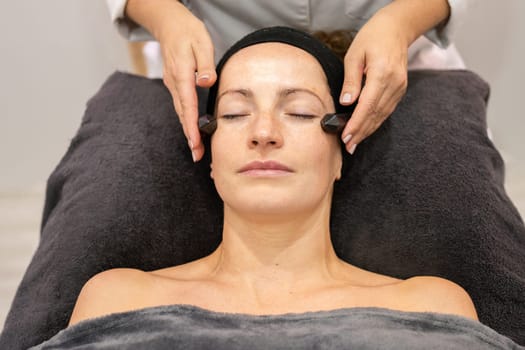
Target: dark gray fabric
(189, 327)
(423, 195)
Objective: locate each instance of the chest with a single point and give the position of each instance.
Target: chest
(303, 14)
(219, 298)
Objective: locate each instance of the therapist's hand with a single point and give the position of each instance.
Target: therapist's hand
(379, 53)
(376, 63)
(187, 53)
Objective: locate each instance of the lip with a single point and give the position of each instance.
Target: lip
(265, 168)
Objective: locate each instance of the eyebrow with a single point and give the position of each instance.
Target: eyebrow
(283, 93)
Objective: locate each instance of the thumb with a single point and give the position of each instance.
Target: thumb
(354, 69)
(205, 65)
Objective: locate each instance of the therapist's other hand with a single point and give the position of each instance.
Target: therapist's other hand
(187, 53)
(379, 53)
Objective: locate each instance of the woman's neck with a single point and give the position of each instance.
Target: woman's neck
(276, 253)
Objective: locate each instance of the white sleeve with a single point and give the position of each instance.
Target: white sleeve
(443, 36)
(127, 28)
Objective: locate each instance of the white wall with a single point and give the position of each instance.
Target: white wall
(492, 43)
(55, 54)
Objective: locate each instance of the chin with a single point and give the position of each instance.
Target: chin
(270, 203)
(271, 197)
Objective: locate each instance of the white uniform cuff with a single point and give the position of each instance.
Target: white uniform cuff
(125, 26)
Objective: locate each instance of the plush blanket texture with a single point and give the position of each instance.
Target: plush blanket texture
(423, 195)
(190, 327)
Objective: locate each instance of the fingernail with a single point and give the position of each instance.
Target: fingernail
(346, 98)
(352, 149)
(347, 138)
(204, 77)
(190, 144)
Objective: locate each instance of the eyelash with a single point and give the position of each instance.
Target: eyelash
(302, 116)
(233, 116)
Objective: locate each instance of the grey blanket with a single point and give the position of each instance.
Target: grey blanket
(191, 327)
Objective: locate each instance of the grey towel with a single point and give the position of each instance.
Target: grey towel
(189, 327)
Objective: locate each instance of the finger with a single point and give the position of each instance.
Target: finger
(367, 109)
(385, 107)
(354, 64)
(170, 84)
(204, 58)
(388, 102)
(185, 87)
(178, 109)
(198, 152)
(179, 76)
(168, 77)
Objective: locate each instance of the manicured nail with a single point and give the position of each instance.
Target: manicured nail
(190, 144)
(352, 149)
(347, 138)
(346, 98)
(204, 77)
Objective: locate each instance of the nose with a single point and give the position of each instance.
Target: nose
(266, 131)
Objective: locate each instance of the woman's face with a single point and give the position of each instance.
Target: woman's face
(269, 153)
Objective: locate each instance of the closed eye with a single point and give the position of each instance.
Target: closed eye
(303, 116)
(232, 116)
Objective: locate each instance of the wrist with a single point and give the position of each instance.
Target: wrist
(416, 17)
(154, 16)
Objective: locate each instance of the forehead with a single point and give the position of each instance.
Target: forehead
(273, 60)
(272, 48)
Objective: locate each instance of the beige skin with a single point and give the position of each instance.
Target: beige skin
(276, 255)
(378, 52)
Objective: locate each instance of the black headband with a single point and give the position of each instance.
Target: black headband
(331, 64)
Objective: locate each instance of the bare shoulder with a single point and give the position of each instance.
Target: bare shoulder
(111, 291)
(435, 294)
(192, 270)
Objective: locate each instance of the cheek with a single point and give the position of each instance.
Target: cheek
(222, 150)
(323, 154)
(338, 162)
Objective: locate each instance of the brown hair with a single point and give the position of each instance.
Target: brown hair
(338, 40)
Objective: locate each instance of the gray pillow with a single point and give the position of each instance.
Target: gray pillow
(423, 195)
